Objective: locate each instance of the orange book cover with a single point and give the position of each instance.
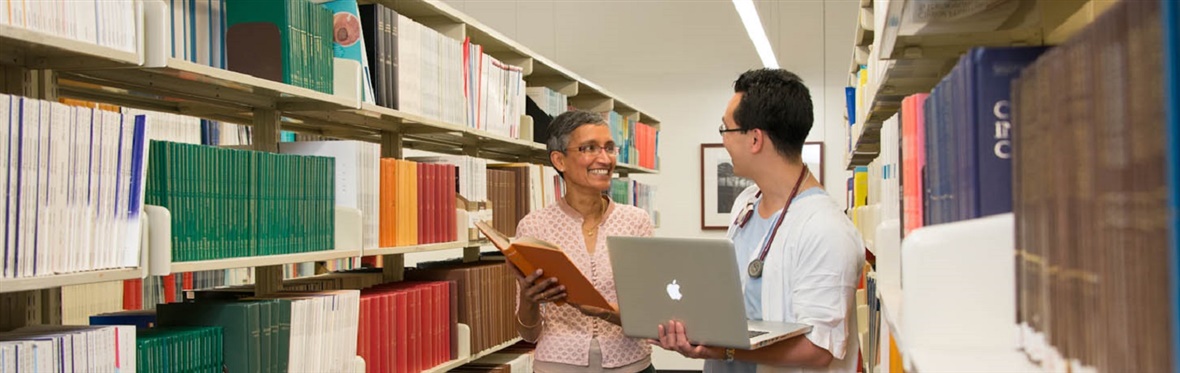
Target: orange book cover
(528, 254)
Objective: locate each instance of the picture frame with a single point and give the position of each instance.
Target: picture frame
(720, 187)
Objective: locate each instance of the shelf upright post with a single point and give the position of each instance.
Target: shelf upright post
(19, 81)
(45, 84)
(267, 279)
(394, 265)
(14, 80)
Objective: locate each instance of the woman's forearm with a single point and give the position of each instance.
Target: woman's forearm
(529, 322)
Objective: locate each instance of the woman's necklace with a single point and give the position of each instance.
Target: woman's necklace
(594, 229)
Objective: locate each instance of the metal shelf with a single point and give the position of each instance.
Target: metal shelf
(45, 282)
(419, 248)
(259, 261)
(916, 56)
(632, 169)
(901, 78)
(188, 88)
(459, 362)
(36, 50)
(1011, 23)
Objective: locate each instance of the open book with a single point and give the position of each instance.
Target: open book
(528, 254)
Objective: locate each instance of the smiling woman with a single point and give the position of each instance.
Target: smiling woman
(570, 337)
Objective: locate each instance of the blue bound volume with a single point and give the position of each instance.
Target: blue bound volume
(990, 152)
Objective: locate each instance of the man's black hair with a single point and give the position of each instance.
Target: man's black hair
(777, 102)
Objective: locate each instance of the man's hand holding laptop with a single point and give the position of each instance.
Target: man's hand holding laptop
(674, 338)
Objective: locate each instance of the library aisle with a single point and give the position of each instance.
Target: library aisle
(202, 185)
(274, 186)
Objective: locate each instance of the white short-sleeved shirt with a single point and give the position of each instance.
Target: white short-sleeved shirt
(810, 276)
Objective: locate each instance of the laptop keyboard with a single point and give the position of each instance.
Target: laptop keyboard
(755, 333)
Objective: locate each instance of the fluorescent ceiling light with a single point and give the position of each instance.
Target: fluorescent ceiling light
(745, 9)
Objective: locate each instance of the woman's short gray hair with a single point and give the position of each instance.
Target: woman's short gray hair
(565, 124)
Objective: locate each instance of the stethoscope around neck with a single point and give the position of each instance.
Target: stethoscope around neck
(755, 267)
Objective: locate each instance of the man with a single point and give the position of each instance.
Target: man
(799, 266)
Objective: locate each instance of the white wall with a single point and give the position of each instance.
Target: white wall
(678, 60)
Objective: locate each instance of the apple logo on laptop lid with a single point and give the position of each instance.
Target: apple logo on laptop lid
(674, 290)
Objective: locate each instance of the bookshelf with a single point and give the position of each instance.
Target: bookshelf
(960, 290)
(9, 285)
(23, 284)
(447, 366)
(179, 86)
(539, 70)
(418, 248)
(908, 61)
(192, 89)
(259, 261)
(31, 49)
(38, 65)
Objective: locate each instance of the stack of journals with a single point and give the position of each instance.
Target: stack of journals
(78, 169)
(357, 178)
(1090, 200)
(111, 24)
(288, 41)
(551, 102)
(407, 327)
(968, 136)
(484, 298)
(314, 332)
(417, 203)
(420, 71)
(235, 203)
(57, 348)
(179, 349)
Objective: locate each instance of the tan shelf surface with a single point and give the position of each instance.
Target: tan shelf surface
(459, 362)
(265, 260)
(8, 285)
(31, 49)
(419, 248)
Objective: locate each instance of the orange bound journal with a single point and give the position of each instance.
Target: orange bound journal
(528, 254)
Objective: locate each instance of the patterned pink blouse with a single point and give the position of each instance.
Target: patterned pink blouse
(567, 332)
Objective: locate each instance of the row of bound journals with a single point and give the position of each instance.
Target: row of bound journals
(277, 203)
(1091, 201)
(75, 168)
(318, 323)
(1071, 140)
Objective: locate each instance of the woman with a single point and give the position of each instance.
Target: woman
(574, 338)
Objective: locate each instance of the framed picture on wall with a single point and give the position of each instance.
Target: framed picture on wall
(720, 187)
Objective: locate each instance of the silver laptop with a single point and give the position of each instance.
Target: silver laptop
(694, 281)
